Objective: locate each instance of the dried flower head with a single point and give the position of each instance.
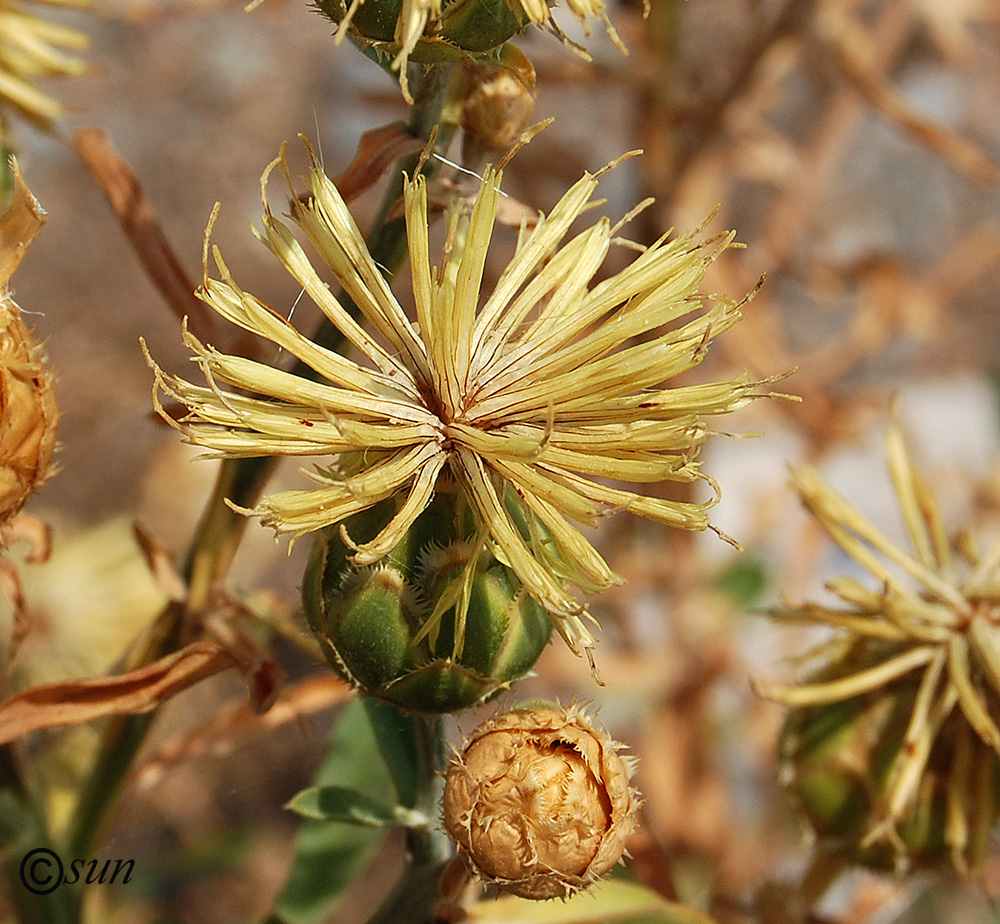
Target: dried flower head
(539, 802)
(921, 652)
(548, 384)
(28, 414)
(31, 47)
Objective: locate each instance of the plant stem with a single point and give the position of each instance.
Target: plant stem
(417, 894)
(429, 845)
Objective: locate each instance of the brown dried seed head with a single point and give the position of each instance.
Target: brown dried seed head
(28, 412)
(539, 802)
(497, 109)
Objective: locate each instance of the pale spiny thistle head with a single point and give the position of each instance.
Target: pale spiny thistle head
(33, 47)
(539, 801)
(892, 746)
(537, 393)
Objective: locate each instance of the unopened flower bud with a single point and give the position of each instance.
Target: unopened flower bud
(539, 802)
(478, 26)
(437, 625)
(431, 32)
(497, 109)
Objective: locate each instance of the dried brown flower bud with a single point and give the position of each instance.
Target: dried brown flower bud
(28, 412)
(496, 110)
(539, 802)
(27, 404)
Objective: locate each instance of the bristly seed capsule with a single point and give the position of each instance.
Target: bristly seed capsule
(539, 802)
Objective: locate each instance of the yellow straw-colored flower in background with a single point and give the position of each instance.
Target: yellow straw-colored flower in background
(548, 384)
(32, 47)
(895, 741)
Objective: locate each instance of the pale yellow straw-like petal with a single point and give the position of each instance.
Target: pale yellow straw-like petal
(304, 511)
(32, 47)
(327, 221)
(541, 582)
(969, 700)
(862, 682)
(858, 536)
(266, 380)
(421, 492)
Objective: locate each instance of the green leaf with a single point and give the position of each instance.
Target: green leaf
(335, 803)
(745, 581)
(610, 902)
(330, 855)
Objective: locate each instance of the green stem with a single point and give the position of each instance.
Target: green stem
(220, 530)
(429, 845)
(417, 894)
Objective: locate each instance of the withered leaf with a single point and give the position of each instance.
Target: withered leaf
(131, 693)
(18, 226)
(112, 174)
(377, 151)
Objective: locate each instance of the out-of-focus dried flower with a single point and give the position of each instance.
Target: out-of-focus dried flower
(28, 413)
(534, 395)
(539, 801)
(894, 744)
(32, 47)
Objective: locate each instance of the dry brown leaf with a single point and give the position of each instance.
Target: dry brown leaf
(377, 151)
(137, 217)
(135, 692)
(18, 226)
(261, 672)
(259, 669)
(236, 722)
(161, 565)
(36, 533)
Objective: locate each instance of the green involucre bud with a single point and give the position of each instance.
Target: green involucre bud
(375, 20)
(433, 31)
(437, 626)
(847, 765)
(468, 25)
(481, 25)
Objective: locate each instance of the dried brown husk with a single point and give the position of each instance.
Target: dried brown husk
(539, 802)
